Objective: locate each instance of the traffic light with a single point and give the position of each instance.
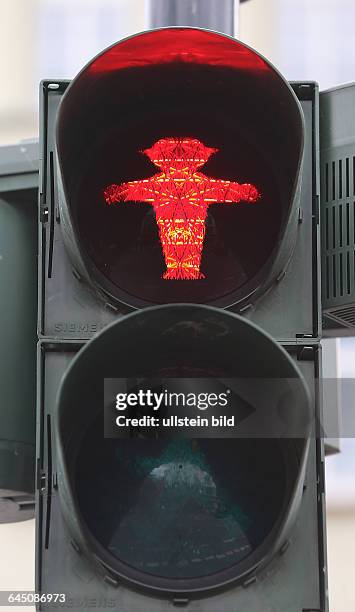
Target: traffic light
(18, 311)
(113, 144)
(338, 210)
(179, 241)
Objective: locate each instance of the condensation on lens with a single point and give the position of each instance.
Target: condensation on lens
(180, 508)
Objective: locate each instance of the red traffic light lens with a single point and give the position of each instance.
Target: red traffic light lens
(182, 45)
(195, 142)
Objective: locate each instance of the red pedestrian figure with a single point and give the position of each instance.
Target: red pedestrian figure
(181, 196)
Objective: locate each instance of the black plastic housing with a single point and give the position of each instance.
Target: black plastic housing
(337, 160)
(224, 94)
(71, 312)
(18, 313)
(68, 308)
(295, 580)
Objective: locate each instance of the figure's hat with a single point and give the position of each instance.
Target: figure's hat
(179, 149)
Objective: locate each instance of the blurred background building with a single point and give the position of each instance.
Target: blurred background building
(306, 40)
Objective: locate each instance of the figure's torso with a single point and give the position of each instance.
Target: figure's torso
(185, 195)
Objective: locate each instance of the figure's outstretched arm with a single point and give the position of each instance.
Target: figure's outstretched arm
(230, 192)
(133, 191)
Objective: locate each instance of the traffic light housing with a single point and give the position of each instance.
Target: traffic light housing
(212, 116)
(246, 490)
(337, 157)
(108, 146)
(18, 313)
(240, 259)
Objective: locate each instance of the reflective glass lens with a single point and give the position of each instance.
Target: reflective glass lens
(178, 168)
(179, 508)
(177, 203)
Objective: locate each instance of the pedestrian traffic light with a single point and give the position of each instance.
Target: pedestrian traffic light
(18, 306)
(179, 218)
(182, 149)
(181, 514)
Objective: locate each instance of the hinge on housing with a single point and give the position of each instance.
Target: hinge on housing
(43, 209)
(41, 478)
(304, 336)
(42, 482)
(305, 353)
(55, 481)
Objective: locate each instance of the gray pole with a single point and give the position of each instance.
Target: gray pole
(216, 15)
